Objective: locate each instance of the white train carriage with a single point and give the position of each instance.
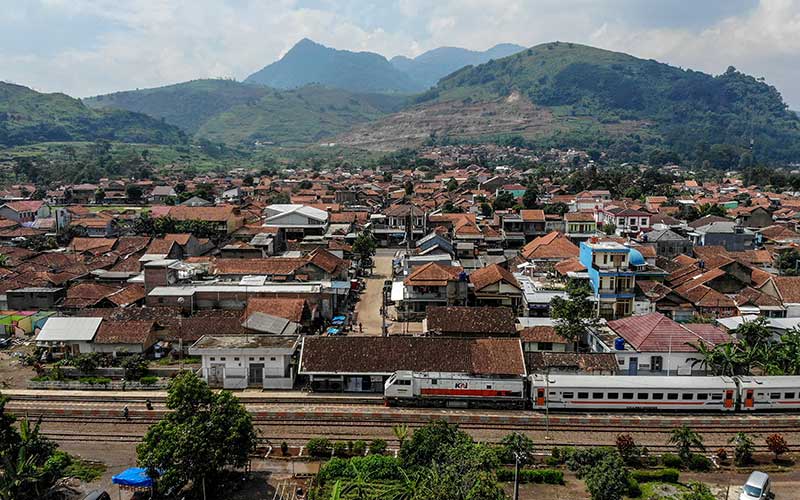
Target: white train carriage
(769, 393)
(599, 392)
(454, 389)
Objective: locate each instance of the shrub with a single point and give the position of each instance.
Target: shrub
(699, 463)
(95, 380)
(87, 362)
(656, 476)
(539, 476)
(319, 447)
(671, 460)
(777, 445)
(377, 447)
(135, 367)
(148, 380)
(340, 449)
(359, 448)
(561, 454)
(583, 459)
(627, 449)
(634, 490)
(743, 447)
(722, 455)
(284, 448)
(375, 467)
(607, 479)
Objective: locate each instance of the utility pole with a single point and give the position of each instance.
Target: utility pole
(516, 476)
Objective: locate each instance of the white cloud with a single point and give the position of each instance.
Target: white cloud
(146, 43)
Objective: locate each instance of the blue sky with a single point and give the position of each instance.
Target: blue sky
(86, 47)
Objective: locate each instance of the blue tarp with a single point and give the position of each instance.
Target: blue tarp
(338, 319)
(333, 331)
(134, 477)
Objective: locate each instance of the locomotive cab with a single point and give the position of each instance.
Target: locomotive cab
(399, 385)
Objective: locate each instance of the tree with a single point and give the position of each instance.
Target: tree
(608, 479)
(401, 432)
(452, 184)
(450, 208)
(364, 245)
(133, 192)
(518, 445)
(711, 209)
(135, 367)
(305, 184)
(86, 362)
(248, 180)
(777, 445)
(531, 196)
(754, 332)
(431, 443)
(609, 228)
(504, 201)
(99, 195)
(575, 314)
(786, 261)
(743, 448)
(627, 448)
(486, 209)
(685, 439)
(409, 188)
(203, 435)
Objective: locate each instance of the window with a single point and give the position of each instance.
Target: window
(627, 395)
(643, 395)
(261, 358)
(434, 381)
(545, 346)
(489, 386)
(613, 395)
(222, 359)
(775, 395)
(597, 395)
(567, 395)
(687, 396)
(644, 222)
(716, 397)
(583, 395)
(702, 396)
(658, 395)
(788, 395)
(672, 396)
(272, 358)
(213, 358)
(252, 359)
(403, 382)
(236, 359)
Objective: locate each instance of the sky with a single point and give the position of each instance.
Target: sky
(88, 47)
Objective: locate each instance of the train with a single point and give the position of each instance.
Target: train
(566, 392)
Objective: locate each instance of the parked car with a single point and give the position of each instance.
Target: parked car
(757, 487)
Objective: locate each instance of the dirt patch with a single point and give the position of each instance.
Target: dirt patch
(14, 374)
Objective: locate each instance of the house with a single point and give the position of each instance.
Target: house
(34, 298)
(595, 363)
(464, 321)
(295, 310)
(668, 243)
(430, 284)
(24, 212)
(537, 296)
(96, 227)
(241, 361)
(83, 194)
(546, 251)
(70, 336)
(723, 233)
(612, 275)
(298, 221)
(392, 225)
(362, 364)
(653, 344)
(543, 338)
(225, 219)
(787, 289)
(753, 217)
(495, 286)
(161, 194)
(580, 226)
(533, 223)
(127, 337)
(627, 221)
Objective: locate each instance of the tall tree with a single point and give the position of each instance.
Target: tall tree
(575, 314)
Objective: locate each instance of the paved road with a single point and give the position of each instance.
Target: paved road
(369, 305)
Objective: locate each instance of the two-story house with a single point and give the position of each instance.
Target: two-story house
(627, 221)
(612, 275)
(580, 226)
(431, 284)
(298, 221)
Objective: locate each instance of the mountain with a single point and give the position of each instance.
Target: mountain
(241, 113)
(27, 117)
(311, 63)
(187, 105)
(570, 94)
(429, 67)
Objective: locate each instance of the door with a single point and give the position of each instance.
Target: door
(216, 374)
(633, 366)
(256, 375)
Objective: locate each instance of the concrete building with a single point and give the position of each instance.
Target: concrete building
(242, 361)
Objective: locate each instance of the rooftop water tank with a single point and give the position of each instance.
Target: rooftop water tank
(619, 344)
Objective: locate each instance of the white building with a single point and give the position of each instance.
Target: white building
(69, 335)
(241, 361)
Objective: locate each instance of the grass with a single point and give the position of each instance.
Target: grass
(85, 470)
(662, 491)
(168, 361)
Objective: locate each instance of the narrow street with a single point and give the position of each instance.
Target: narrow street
(368, 308)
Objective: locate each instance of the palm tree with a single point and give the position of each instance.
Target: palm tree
(684, 439)
(336, 491)
(743, 447)
(401, 432)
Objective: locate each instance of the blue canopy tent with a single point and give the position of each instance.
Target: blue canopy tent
(338, 320)
(134, 479)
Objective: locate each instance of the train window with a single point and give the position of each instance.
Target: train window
(553, 393)
(702, 396)
(643, 395)
(788, 395)
(613, 395)
(403, 382)
(434, 381)
(775, 395)
(583, 395)
(716, 396)
(567, 395)
(672, 395)
(658, 395)
(627, 395)
(489, 386)
(686, 396)
(597, 395)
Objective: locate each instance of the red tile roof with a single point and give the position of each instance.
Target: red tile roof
(433, 274)
(550, 246)
(490, 275)
(655, 332)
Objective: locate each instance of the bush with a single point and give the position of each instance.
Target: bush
(671, 460)
(359, 448)
(656, 476)
(378, 447)
(583, 459)
(319, 447)
(777, 445)
(700, 463)
(340, 449)
(561, 454)
(539, 476)
(722, 455)
(148, 380)
(135, 367)
(95, 380)
(634, 490)
(627, 449)
(375, 467)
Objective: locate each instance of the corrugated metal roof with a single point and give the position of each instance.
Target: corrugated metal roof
(66, 329)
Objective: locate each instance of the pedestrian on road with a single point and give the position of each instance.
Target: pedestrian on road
(360, 327)
(125, 412)
(149, 404)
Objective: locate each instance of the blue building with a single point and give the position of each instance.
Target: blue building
(612, 274)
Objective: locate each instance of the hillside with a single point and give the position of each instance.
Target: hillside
(28, 117)
(596, 97)
(429, 67)
(187, 105)
(311, 63)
